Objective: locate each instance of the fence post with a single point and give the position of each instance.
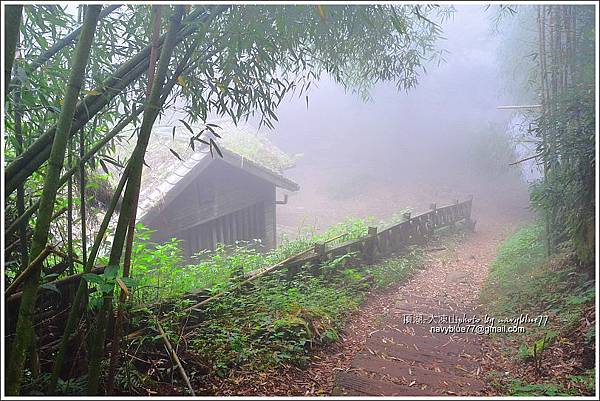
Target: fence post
(433, 208)
(470, 221)
(320, 252)
(455, 215)
(410, 232)
(371, 245)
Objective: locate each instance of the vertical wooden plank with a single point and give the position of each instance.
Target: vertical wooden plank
(319, 250)
(253, 231)
(220, 230)
(203, 239)
(224, 225)
(270, 220)
(244, 227)
(193, 235)
(255, 221)
(247, 219)
(261, 221)
(234, 227)
(200, 239)
(370, 245)
(240, 222)
(213, 233)
(188, 243)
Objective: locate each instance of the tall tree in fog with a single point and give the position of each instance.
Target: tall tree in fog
(556, 45)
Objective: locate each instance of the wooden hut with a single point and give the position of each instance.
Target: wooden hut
(204, 199)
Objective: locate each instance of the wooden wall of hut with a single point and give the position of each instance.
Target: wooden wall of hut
(222, 205)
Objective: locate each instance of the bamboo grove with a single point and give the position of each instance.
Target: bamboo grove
(76, 78)
(565, 128)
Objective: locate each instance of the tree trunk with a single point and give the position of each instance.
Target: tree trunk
(24, 329)
(132, 192)
(118, 328)
(12, 25)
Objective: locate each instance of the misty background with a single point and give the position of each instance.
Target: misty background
(443, 140)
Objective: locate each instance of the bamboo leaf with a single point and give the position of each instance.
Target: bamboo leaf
(123, 286)
(103, 166)
(176, 154)
(93, 278)
(50, 287)
(213, 143)
(111, 272)
(187, 126)
(92, 92)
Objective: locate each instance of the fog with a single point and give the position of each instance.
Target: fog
(403, 149)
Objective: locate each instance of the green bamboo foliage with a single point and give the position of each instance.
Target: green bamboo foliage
(24, 331)
(38, 152)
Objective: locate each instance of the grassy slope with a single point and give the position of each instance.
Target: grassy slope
(551, 359)
(280, 321)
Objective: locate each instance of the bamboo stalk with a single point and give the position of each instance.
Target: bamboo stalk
(82, 199)
(118, 327)
(70, 251)
(132, 191)
(24, 329)
(27, 271)
(11, 33)
(21, 188)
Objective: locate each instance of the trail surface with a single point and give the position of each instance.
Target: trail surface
(402, 356)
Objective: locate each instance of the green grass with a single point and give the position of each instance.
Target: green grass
(515, 277)
(523, 281)
(396, 270)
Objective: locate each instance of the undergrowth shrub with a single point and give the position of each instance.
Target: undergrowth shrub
(274, 322)
(160, 271)
(280, 320)
(523, 281)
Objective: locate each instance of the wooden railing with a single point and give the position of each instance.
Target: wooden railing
(395, 237)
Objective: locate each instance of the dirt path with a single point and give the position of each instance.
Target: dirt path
(401, 356)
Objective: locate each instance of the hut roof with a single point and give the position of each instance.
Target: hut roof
(171, 163)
